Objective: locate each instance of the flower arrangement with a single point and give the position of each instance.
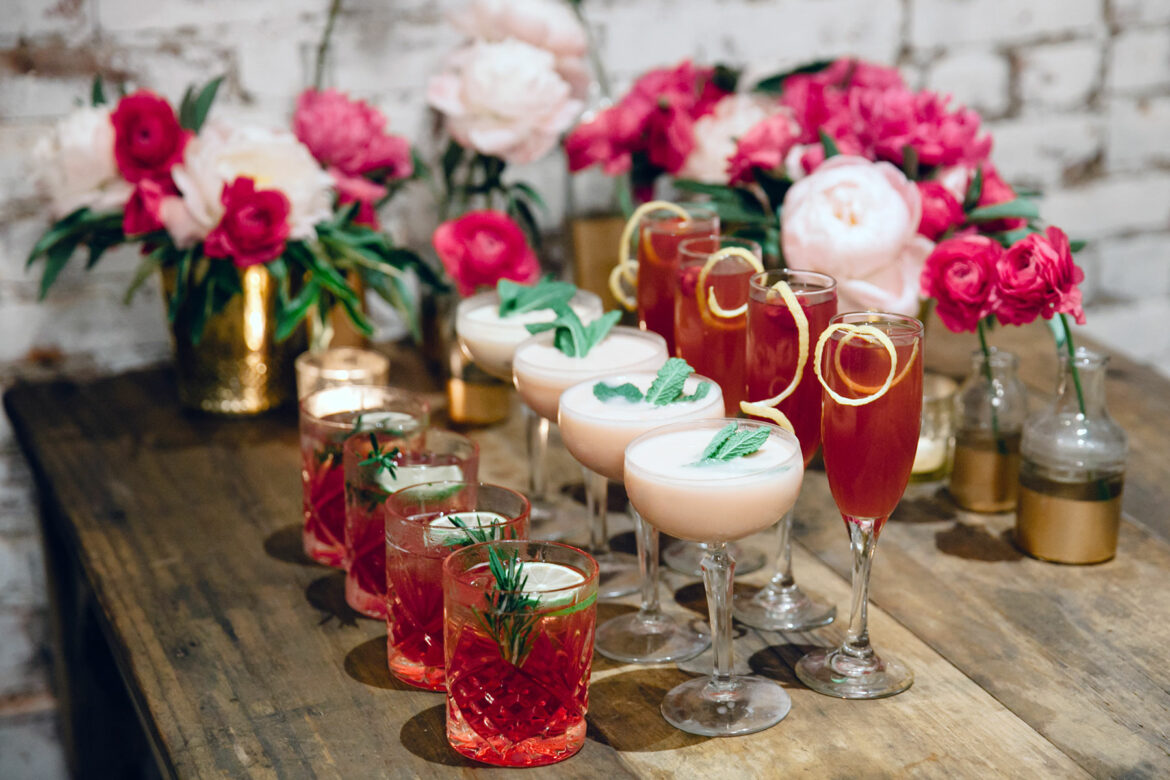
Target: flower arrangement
(206, 199)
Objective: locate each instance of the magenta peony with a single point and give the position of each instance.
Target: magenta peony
(350, 136)
(148, 140)
(482, 247)
(960, 274)
(1038, 278)
(254, 226)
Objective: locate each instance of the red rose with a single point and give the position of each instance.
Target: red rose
(960, 275)
(144, 209)
(482, 247)
(254, 225)
(764, 146)
(940, 210)
(996, 190)
(1037, 277)
(147, 138)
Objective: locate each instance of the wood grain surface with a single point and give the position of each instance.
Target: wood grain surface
(243, 659)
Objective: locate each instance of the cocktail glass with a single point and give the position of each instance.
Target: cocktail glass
(541, 373)
(328, 418)
(869, 451)
(340, 366)
(490, 340)
(659, 235)
(518, 658)
(424, 524)
(716, 502)
(369, 481)
(773, 347)
(596, 433)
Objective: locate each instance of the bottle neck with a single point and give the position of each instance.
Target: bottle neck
(1084, 386)
(1002, 366)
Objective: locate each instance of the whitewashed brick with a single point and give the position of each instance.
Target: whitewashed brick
(29, 96)
(16, 169)
(22, 669)
(115, 16)
(72, 22)
(22, 581)
(30, 749)
(1136, 12)
(976, 78)
(162, 66)
(1112, 206)
(1135, 268)
(17, 505)
(939, 23)
(1059, 75)
(1138, 134)
(1136, 330)
(1140, 61)
(1035, 151)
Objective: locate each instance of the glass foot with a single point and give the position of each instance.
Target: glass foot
(549, 522)
(834, 672)
(742, 705)
(649, 639)
(783, 609)
(620, 575)
(684, 557)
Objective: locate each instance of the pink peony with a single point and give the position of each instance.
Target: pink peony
(765, 146)
(361, 190)
(888, 120)
(350, 136)
(482, 247)
(144, 209)
(940, 209)
(254, 226)
(803, 159)
(148, 140)
(820, 100)
(960, 274)
(1038, 278)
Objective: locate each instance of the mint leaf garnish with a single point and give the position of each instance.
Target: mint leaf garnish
(700, 392)
(626, 390)
(545, 294)
(573, 337)
(734, 442)
(668, 385)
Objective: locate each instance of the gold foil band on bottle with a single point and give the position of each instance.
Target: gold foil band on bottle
(1066, 530)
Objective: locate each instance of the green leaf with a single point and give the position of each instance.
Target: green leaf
(179, 294)
(289, 316)
(1076, 245)
(202, 104)
(1020, 207)
(99, 242)
(726, 77)
(627, 390)
(734, 442)
(55, 261)
(452, 156)
(60, 230)
(522, 298)
(774, 85)
(570, 335)
(700, 392)
(148, 265)
(910, 162)
(668, 385)
(720, 437)
(974, 190)
(828, 143)
(187, 107)
(97, 92)
(599, 328)
(420, 170)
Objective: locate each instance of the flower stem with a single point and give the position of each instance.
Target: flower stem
(323, 46)
(1000, 444)
(1072, 362)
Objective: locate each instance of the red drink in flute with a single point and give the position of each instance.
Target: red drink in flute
(715, 346)
(658, 260)
(424, 524)
(519, 657)
(328, 418)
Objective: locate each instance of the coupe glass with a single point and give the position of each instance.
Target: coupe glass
(489, 341)
(541, 373)
(869, 451)
(596, 433)
(773, 348)
(716, 502)
(659, 236)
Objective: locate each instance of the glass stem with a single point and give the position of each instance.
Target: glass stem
(647, 537)
(597, 507)
(863, 542)
(718, 570)
(537, 430)
(783, 577)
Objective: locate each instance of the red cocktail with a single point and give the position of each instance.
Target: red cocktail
(519, 638)
(375, 466)
(327, 419)
(424, 524)
(658, 260)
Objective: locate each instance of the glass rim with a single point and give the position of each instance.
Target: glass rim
(487, 297)
(689, 256)
(458, 438)
(584, 372)
(627, 375)
(480, 488)
(592, 574)
(408, 395)
(656, 221)
(715, 423)
(310, 358)
(828, 283)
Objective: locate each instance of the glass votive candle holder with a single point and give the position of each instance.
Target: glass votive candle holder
(936, 438)
(328, 418)
(377, 464)
(340, 366)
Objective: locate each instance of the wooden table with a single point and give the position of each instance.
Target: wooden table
(174, 547)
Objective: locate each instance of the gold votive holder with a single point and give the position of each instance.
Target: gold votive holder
(340, 366)
(936, 439)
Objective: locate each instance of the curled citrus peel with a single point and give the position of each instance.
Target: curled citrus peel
(711, 303)
(859, 331)
(857, 387)
(627, 268)
(767, 407)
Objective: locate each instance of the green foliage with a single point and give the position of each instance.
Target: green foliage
(733, 442)
(774, 84)
(98, 231)
(523, 298)
(573, 337)
(194, 108)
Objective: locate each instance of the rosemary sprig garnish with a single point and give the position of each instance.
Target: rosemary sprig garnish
(482, 533)
(380, 458)
(510, 616)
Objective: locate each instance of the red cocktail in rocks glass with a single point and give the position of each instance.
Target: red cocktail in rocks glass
(773, 356)
(424, 524)
(658, 258)
(328, 418)
(376, 465)
(519, 639)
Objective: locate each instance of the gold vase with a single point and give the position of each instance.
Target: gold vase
(594, 247)
(238, 368)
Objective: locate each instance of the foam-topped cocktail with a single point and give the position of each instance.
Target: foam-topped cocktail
(715, 481)
(598, 419)
(571, 352)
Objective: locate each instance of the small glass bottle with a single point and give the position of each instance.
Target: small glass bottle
(1072, 471)
(990, 409)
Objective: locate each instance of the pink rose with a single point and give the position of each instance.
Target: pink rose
(960, 275)
(940, 210)
(996, 190)
(1037, 277)
(148, 140)
(482, 247)
(144, 209)
(857, 221)
(888, 120)
(254, 226)
(350, 136)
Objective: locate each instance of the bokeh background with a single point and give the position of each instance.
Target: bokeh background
(1076, 92)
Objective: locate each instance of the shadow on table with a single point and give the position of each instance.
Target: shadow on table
(425, 735)
(976, 543)
(286, 544)
(366, 663)
(775, 662)
(924, 503)
(635, 697)
(327, 595)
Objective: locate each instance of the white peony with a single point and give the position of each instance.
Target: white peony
(504, 99)
(274, 159)
(717, 132)
(76, 164)
(546, 24)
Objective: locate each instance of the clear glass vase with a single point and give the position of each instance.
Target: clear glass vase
(990, 409)
(1072, 470)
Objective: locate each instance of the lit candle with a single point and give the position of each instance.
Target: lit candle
(932, 461)
(341, 366)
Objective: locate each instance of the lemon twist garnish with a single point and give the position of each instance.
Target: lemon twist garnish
(767, 407)
(860, 331)
(857, 387)
(711, 302)
(626, 267)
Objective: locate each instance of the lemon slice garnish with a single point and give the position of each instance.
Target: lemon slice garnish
(627, 268)
(711, 301)
(767, 407)
(859, 331)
